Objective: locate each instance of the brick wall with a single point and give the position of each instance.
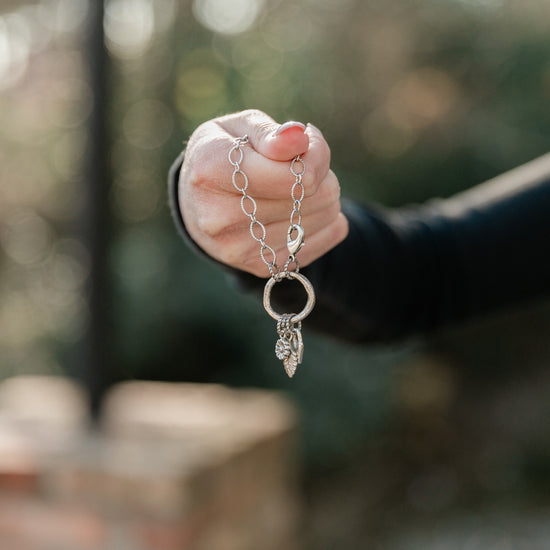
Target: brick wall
(172, 466)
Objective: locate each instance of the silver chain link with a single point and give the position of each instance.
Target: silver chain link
(249, 208)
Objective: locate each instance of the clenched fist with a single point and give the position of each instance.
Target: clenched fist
(210, 204)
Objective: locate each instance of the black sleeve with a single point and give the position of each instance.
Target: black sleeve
(415, 269)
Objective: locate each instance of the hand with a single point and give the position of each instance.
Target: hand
(210, 205)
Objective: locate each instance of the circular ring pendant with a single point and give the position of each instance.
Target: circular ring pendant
(307, 286)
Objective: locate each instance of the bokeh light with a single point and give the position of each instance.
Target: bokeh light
(15, 48)
(233, 17)
(63, 16)
(129, 26)
(255, 59)
(148, 124)
(289, 29)
(26, 237)
(201, 89)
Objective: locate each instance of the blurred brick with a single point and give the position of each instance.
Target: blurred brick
(39, 403)
(38, 416)
(42, 525)
(174, 466)
(158, 409)
(18, 461)
(159, 535)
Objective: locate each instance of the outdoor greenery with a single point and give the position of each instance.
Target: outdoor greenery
(417, 99)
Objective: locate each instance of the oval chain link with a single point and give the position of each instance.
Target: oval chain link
(298, 184)
(249, 206)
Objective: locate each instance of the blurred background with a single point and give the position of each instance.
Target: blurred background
(419, 445)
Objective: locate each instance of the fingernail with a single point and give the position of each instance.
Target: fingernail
(288, 125)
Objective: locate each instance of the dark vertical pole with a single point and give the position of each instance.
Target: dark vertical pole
(97, 348)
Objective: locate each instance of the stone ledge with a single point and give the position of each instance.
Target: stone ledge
(172, 466)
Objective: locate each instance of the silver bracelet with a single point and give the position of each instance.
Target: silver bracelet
(289, 347)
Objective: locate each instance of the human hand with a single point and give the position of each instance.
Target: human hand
(210, 204)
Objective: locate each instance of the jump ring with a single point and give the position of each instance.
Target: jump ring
(292, 260)
(309, 291)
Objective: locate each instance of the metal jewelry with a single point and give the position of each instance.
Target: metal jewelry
(290, 346)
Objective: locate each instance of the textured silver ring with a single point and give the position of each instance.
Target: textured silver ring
(307, 286)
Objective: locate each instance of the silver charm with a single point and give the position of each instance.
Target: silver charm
(291, 364)
(282, 348)
(290, 346)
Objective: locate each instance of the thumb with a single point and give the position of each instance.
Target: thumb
(280, 142)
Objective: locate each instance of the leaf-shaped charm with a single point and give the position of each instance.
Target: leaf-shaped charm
(291, 363)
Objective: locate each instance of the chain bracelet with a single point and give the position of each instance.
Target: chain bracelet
(289, 347)
(249, 208)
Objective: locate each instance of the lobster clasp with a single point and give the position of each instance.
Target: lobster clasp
(294, 244)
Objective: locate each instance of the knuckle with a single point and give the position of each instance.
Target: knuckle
(202, 166)
(310, 183)
(253, 114)
(316, 174)
(207, 227)
(236, 116)
(211, 218)
(195, 174)
(334, 210)
(323, 155)
(215, 228)
(226, 236)
(333, 187)
(328, 187)
(222, 250)
(325, 152)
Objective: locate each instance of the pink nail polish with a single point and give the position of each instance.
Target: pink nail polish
(288, 125)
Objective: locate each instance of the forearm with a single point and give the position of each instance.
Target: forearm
(416, 269)
(412, 270)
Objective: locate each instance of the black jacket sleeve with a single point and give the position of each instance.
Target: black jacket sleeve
(419, 268)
